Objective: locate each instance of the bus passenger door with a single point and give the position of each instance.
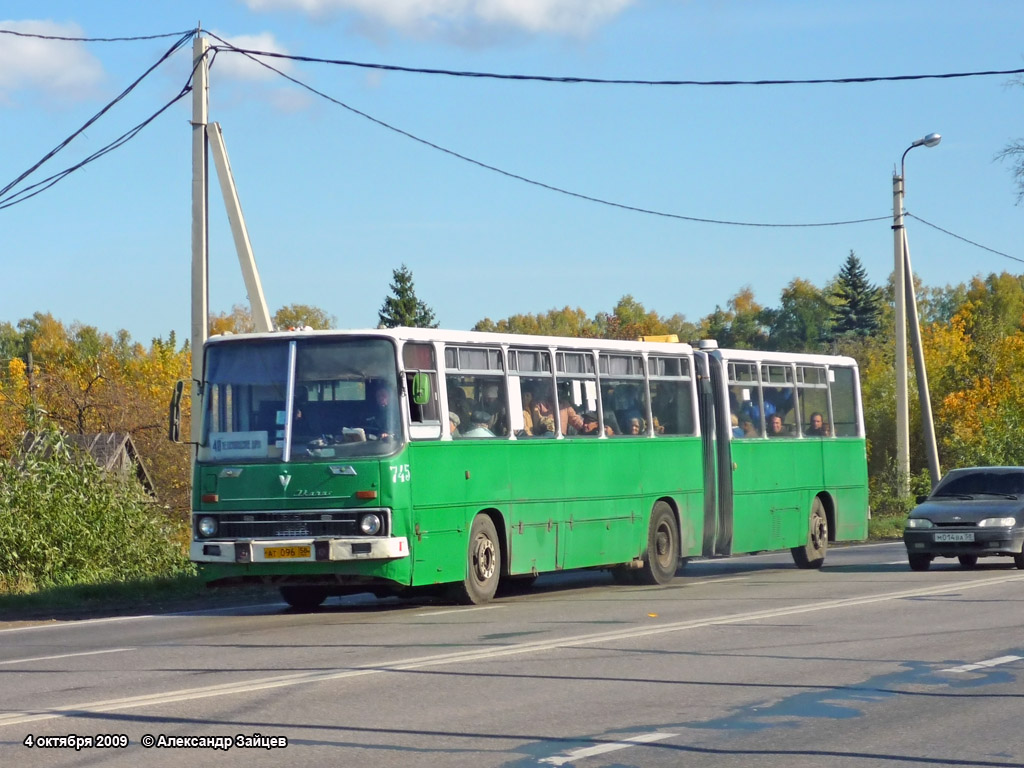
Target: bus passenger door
(717, 451)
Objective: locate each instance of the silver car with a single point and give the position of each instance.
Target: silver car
(973, 512)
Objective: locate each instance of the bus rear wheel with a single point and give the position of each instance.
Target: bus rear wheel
(483, 564)
(662, 557)
(304, 598)
(812, 554)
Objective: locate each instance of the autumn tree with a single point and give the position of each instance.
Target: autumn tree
(402, 307)
(555, 322)
(803, 321)
(744, 325)
(301, 315)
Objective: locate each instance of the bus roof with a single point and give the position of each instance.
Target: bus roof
(527, 340)
(466, 337)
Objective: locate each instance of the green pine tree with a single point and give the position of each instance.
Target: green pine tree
(402, 308)
(858, 311)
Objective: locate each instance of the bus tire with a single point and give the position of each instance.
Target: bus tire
(812, 554)
(303, 598)
(662, 557)
(483, 564)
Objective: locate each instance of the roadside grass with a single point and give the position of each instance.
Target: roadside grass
(886, 527)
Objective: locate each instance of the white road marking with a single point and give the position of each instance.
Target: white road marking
(463, 657)
(66, 656)
(983, 664)
(460, 610)
(600, 749)
(904, 561)
(715, 581)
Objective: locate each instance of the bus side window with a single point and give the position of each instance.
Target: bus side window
(844, 401)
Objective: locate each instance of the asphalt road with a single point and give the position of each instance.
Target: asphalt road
(741, 662)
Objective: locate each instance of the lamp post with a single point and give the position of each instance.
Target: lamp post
(899, 280)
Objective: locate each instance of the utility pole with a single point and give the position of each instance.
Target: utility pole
(200, 224)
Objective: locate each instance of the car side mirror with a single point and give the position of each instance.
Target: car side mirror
(921, 499)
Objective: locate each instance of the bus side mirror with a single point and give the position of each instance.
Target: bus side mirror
(174, 417)
(421, 388)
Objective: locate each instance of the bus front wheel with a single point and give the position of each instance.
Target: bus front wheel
(812, 554)
(483, 565)
(662, 557)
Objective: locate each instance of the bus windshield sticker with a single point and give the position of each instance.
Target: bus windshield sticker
(238, 445)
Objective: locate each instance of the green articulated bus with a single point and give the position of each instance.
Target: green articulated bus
(389, 460)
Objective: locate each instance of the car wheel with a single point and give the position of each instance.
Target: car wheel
(968, 561)
(1018, 560)
(919, 562)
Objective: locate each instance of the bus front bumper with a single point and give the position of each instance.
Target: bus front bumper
(298, 550)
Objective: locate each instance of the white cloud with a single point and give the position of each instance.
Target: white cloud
(238, 66)
(59, 69)
(431, 17)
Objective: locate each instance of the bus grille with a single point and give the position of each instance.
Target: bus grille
(289, 525)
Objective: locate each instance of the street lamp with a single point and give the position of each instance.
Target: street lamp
(899, 280)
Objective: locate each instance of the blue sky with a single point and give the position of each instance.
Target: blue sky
(335, 202)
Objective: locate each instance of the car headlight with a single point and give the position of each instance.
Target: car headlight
(370, 524)
(207, 526)
(919, 522)
(998, 522)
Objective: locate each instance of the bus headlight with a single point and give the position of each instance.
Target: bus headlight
(370, 524)
(207, 526)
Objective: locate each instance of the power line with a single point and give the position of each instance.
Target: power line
(41, 186)
(534, 182)
(17, 197)
(16, 33)
(964, 239)
(611, 81)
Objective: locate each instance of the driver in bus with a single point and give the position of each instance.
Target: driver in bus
(382, 423)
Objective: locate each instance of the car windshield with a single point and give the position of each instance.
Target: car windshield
(344, 400)
(978, 483)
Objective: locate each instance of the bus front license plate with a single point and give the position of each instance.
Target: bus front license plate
(285, 553)
(954, 537)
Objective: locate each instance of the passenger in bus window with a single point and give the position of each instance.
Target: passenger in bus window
(591, 425)
(748, 428)
(543, 416)
(493, 402)
(527, 397)
(453, 424)
(817, 427)
(775, 427)
(572, 422)
(458, 403)
(479, 428)
(635, 425)
(737, 430)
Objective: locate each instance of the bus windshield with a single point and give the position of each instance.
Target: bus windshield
(300, 400)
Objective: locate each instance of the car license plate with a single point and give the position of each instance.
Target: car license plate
(954, 536)
(285, 553)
